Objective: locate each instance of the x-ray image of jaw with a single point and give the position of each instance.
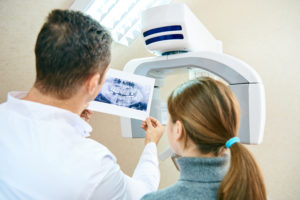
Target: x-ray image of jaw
(124, 93)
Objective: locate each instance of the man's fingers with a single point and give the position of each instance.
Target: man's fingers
(154, 121)
(89, 112)
(144, 125)
(86, 114)
(154, 130)
(149, 122)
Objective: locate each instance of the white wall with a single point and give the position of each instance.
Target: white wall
(263, 33)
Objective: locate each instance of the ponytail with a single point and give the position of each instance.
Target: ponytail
(244, 179)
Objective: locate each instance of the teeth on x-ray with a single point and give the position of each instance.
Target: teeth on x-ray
(122, 93)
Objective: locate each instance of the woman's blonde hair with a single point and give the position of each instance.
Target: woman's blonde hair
(210, 115)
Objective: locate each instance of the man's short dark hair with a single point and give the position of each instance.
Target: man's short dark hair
(70, 47)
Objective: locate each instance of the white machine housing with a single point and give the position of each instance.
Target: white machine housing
(241, 78)
(162, 25)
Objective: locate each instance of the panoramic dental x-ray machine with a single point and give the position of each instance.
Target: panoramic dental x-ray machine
(175, 33)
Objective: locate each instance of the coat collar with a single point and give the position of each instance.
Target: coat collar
(40, 111)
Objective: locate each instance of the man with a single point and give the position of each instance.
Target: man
(44, 152)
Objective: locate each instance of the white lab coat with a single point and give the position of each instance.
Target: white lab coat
(45, 155)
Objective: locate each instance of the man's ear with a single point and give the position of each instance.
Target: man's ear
(93, 83)
(179, 133)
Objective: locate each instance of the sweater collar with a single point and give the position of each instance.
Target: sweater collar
(203, 169)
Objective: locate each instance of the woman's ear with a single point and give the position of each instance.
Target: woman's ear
(179, 133)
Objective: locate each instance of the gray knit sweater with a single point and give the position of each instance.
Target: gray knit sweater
(199, 179)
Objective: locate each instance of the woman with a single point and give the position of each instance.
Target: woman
(203, 125)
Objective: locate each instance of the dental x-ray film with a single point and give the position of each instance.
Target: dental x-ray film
(125, 94)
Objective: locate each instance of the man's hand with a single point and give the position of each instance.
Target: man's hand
(154, 130)
(86, 114)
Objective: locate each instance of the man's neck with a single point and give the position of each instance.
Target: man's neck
(74, 104)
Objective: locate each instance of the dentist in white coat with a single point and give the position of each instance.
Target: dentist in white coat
(44, 150)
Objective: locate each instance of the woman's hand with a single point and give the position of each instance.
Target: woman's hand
(154, 130)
